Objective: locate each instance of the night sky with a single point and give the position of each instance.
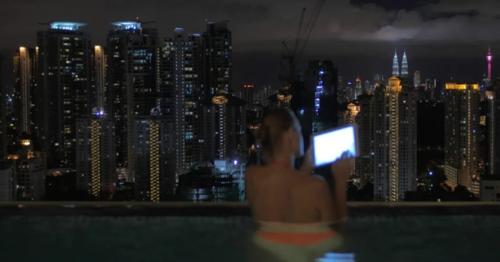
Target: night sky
(443, 38)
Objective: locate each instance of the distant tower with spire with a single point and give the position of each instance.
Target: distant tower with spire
(404, 66)
(395, 64)
(489, 60)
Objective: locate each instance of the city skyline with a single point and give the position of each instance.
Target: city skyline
(148, 112)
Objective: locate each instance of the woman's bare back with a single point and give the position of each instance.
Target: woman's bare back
(280, 194)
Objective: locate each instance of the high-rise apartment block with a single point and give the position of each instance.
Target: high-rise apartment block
(461, 135)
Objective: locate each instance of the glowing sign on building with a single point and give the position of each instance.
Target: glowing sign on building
(127, 25)
(66, 26)
(461, 87)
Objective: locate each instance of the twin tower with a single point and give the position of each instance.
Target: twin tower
(396, 68)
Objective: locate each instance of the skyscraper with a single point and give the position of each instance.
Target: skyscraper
(217, 76)
(490, 182)
(358, 88)
(489, 61)
(493, 125)
(320, 100)
(133, 83)
(461, 135)
(154, 172)
(182, 83)
(404, 66)
(395, 65)
(24, 69)
(365, 121)
(64, 90)
(417, 79)
(99, 74)
(95, 156)
(395, 141)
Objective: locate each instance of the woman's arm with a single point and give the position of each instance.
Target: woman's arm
(341, 170)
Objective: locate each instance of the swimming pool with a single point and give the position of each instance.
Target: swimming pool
(159, 238)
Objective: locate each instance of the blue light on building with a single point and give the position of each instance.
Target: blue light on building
(66, 26)
(127, 25)
(99, 112)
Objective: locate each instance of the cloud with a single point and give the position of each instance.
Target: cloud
(447, 15)
(394, 5)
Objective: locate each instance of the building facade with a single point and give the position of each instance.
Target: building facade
(133, 84)
(95, 157)
(64, 90)
(395, 141)
(154, 169)
(182, 84)
(461, 135)
(217, 77)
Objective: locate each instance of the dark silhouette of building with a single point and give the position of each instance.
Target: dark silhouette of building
(316, 103)
(95, 156)
(182, 84)
(64, 90)
(133, 83)
(217, 75)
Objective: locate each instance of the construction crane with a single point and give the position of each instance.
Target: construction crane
(291, 57)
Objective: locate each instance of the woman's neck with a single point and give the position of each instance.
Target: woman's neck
(284, 161)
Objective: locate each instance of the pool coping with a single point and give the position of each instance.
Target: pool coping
(225, 209)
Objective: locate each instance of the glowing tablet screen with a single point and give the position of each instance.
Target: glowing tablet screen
(329, 146)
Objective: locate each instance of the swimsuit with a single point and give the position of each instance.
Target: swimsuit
(297, 242)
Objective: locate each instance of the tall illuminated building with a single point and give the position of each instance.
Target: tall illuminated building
(489, 61)
(182, 83)
(490, 182)
(64, 91)
(395, 65)
(417, 79)
(95, 156)
(153, 170)
(358, 88)
(395, 140)
(99, 75)
(493, 129)
(25, 62)
(404, 66)
(320, 106)
(365, 118)
(461, 135)
(19, 114)
(217, 76)
(133, 83)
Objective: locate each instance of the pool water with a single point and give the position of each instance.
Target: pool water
(418, 238)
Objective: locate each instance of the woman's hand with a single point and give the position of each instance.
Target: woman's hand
(343, 168)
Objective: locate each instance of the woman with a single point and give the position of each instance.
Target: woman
(294, 209)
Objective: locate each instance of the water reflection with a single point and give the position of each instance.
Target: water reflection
(337, 257)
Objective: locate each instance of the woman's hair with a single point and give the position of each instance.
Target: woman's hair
(275, 123)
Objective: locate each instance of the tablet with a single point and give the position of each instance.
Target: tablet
(329, 145)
